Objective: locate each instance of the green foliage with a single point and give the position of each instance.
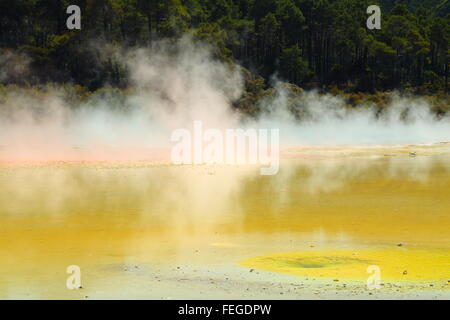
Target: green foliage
(292, 65)
(309, 42)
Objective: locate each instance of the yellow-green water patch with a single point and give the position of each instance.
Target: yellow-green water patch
(413, 264)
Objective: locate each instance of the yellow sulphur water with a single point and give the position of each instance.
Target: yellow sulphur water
(409, 264)
(353, 209)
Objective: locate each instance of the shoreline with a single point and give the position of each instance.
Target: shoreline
(304, 152)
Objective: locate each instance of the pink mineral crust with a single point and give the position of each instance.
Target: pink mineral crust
(16, 156)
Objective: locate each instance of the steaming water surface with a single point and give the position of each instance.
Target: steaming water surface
(130, 226)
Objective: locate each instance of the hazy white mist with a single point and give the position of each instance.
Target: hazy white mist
(175, 84)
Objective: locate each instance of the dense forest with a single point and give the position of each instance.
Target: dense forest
(309, 43)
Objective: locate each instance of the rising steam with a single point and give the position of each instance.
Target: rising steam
(176, 84)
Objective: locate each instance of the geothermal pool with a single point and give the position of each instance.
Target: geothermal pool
(143, 230)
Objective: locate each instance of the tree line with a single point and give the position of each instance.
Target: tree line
(310, 43)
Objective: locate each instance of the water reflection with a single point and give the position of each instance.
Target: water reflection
(101, 216)
(200, 199)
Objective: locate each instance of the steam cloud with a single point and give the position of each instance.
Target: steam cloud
(176, 84)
